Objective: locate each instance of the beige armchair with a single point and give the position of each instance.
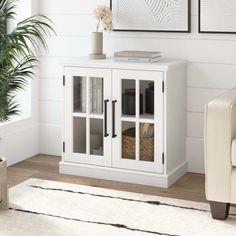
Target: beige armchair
(3, 184)
(220, 153)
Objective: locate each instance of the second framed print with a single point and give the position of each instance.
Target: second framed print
(151, 15)
(217, 16)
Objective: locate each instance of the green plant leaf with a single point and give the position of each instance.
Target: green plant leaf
(18, 57)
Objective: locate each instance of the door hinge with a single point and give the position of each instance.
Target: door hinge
(163, 87)
(63, 147)
(64, 80)
(163, 158)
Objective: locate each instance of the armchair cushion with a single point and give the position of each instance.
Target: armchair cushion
(233, 152)
(220, 130)
(233, 187)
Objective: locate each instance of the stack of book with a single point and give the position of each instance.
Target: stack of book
(137, 56)
(96, 95)
(146, 130)
(80, 94)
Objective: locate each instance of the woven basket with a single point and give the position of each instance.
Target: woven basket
(128, 146)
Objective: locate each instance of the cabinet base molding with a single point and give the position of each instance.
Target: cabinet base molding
(122, 175)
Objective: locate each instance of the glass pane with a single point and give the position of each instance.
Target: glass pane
(128, 140)
(147, 88)
(128, 97)
(79, 94)
(79, 135)
(96, 137)
(146, 145)
(96, 95)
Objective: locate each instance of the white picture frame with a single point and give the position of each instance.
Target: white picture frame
(151, 15)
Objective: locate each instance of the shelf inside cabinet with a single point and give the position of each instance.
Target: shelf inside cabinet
(79, 114)
(128, 118)
(147, 118)
(91, 115)
(96, 116)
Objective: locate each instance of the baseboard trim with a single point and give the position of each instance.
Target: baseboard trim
(122, 175)
(24, 142)
(177, 173)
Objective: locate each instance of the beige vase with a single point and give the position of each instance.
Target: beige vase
(3, 184)
(97, 46)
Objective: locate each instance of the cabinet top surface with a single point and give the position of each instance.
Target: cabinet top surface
(164, 64)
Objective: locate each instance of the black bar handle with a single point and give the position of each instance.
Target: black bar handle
(105, 118)
(113, 119)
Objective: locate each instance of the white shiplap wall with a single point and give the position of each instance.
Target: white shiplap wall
(211, 67)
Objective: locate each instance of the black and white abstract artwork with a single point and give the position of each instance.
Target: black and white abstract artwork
(217, 16)
(151, 15)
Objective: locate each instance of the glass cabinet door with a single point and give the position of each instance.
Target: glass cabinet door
(87, 93)
(139, 120)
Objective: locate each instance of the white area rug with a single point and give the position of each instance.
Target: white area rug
(41, 207)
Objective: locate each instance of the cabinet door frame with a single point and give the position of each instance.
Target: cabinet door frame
(69, 115)
(157, 77)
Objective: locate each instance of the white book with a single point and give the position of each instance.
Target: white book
(94, 95)
(97, 95)
(138, 54)
(91, 95)
(100, 95)
(79, 91)
(83, 93)
(134, 59)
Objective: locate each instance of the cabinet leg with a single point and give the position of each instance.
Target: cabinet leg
(219, 210)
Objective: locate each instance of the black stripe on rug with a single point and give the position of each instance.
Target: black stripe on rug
(157, 203)
(121, 226)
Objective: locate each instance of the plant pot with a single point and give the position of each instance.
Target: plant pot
(3, 183)
(3, 168)
(97, 46)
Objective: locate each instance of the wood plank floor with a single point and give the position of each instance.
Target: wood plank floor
(189, 187)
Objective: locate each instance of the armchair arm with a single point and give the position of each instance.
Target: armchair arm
(220, 130)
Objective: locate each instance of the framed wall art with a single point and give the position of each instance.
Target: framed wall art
(151, 15)
(218, 16)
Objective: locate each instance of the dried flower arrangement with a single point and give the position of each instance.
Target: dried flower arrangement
(103, 16)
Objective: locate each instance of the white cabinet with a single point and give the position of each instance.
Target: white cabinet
(124, 121)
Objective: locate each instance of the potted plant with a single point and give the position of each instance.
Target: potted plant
(103, 16)
(17, 63)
